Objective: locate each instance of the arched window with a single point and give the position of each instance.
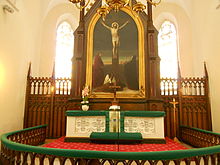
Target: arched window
(167, 47)
(64, 50)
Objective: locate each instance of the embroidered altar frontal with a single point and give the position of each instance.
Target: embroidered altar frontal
(81, 124)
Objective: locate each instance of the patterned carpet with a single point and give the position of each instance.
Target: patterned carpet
(170, 145)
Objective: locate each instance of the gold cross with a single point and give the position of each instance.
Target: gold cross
(114, 87)
(174, 103)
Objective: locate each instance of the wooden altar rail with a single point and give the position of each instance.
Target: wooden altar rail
(17, 149)
(31, 136)
(198, 137)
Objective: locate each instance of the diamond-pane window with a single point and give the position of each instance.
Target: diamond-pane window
(167, 47)
(64, 50)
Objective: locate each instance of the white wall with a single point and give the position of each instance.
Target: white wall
(19, 40)
(25, 36)
(206, 25)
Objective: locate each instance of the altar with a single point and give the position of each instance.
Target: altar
(142, 126)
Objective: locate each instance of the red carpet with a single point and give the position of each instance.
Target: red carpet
(170, 145)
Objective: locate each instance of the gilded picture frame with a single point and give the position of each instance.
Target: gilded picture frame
(114, 57)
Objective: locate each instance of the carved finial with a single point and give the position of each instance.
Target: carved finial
(205, 70)
(53, 73)
(179, 71)
(149, 12)
(29, 70)
(82, 11)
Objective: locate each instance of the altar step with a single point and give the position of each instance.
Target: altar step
(115, 138)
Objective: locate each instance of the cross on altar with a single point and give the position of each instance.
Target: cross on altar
(114, 87)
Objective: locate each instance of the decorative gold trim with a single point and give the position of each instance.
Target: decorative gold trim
(139, 7)
(103, 11)
(154, 3)
(141, 92)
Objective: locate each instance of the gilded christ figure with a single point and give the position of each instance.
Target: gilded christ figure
(115, 36)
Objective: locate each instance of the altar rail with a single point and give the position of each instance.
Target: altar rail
(198, 137)
(17, 148)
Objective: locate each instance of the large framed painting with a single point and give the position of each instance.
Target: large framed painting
(115, 56)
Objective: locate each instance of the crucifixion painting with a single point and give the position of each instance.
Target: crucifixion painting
(116, 42)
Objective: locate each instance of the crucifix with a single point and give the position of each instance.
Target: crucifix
(114, 87)
(174, 103)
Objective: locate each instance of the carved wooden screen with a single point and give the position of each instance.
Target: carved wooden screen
(46, 103)
(193, 107)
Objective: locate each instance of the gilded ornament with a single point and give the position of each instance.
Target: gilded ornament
(139, 7)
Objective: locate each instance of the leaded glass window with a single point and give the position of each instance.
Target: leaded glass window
(64, 50)
(167, 47)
